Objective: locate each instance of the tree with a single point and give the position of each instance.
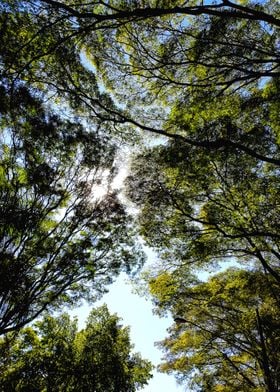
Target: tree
(58, 241)
(54, 355)
(162, 53)
(229, 340)
(201, 207)
(173, 46)
(166, 53)
(157, 52)
(203, 76)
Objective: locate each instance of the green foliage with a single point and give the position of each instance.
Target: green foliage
(162, 51)
(58, 242)
(154, 51)
(204, 205)
(54, 355)
(206, 76)
(229, 340)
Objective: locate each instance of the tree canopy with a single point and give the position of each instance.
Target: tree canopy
(200, 207)
(54, 355)
(153, 51)
(59, 243)
(228, 339)
(201, 79)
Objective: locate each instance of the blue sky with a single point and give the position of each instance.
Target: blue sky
(145, 328)
(135, 311)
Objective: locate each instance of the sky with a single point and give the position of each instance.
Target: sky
(145, 328)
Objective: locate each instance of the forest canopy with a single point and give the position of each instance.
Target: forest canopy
(192, 89)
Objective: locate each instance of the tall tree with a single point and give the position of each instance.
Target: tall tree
(54, 355)
(227, 334)
(200, 207)
(59, 241)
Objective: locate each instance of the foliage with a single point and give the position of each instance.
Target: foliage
(229, 339)
(203, 75)
(199, 207)
(58, 242)
(54, 355)
(154, 51)
(158, 53)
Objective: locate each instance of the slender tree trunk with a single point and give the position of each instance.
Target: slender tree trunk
(269, 384)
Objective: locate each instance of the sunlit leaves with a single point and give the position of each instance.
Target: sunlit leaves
(228, 319)
(206, 77)
(53, 354)
(212, 201)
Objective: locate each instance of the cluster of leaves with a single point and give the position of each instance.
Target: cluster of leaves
(56, 237)
(228, 338)
(60, 241)
(54, 355)
(212, 204)
(208, 195)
